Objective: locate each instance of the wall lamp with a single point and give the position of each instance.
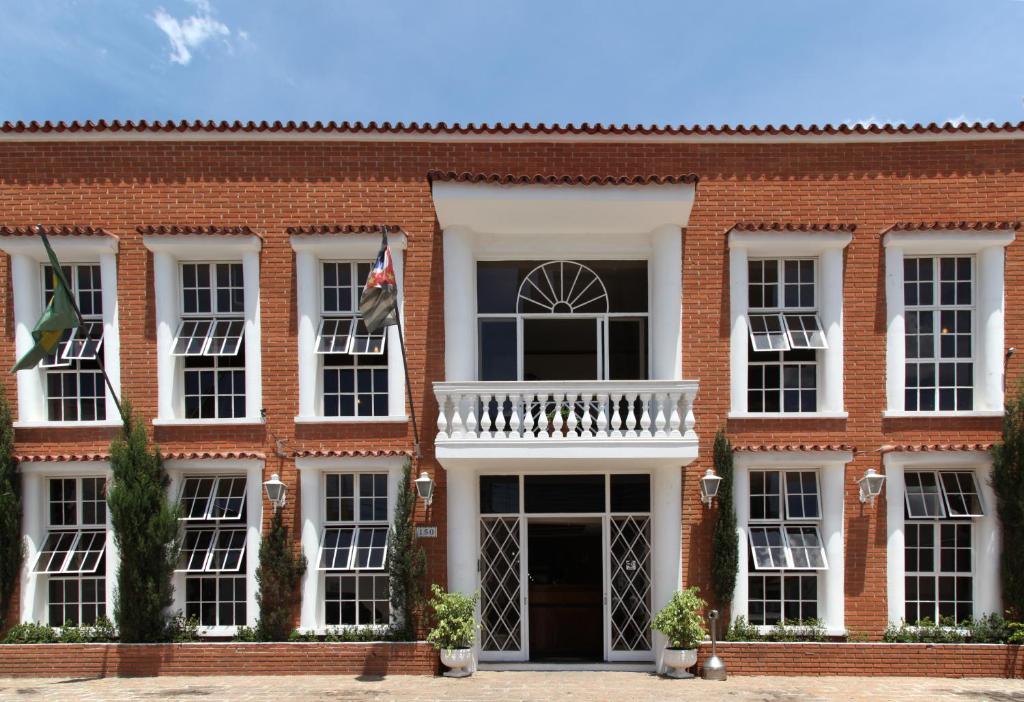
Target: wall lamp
(277, 491)
(709, 484)
(425, 488)
(871, 486)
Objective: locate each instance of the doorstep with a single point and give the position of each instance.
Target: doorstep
(616, 667)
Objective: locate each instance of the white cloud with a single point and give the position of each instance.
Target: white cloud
(190, 33)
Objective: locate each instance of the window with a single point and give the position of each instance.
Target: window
(355, 367)
(785, 336)
(784, 539)
(209, 338)
(213, 550)
(73, 555)
(353, 549)
(938, 295)
(938, 538)
(74, 385)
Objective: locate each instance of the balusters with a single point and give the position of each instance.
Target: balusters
(674, 419)
(602, 416)
(442, 417)
(500, 421)
(572, 421)
(470, 420)
(631, 415)
(690, 422)
(528, 410)
(457, 429)
(616, 398)
(556, 420)
(515, 421)
(485, 415)
(659, 416)
(645, 415)
(587, 420)
(542, 415)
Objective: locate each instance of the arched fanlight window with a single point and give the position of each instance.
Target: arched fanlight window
(562, 287)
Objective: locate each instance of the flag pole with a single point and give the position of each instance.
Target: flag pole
(405, 365)
(81, 323)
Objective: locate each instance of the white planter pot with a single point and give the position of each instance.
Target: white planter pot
(461, 661)
(677, 660)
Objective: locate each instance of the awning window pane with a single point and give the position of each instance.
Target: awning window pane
(371, 548)
(336, 549)
(195, 498)
(57, 359)
(805, 547)
(85, 342)
(229, 499)
(192, 337)
(225, 337)
(194, 550)
(768, 548)
(922, 495)
(55, 551)
(87, 552)
(335, 335)
(366, 344)
(804, 331)
(767, 333)
(962, 498)
(228, 551)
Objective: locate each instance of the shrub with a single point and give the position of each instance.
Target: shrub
(725, 543)
(925, 631)
(278, 576)
(145, 525)
(182, 629)
(11, 548)
(31, 633)
(454, 619)
(786, 630)
(245, 634)
(307, 636)
(1016, 633)
(407, 562)
(682, 619)
(1008, 485)
(360, 633)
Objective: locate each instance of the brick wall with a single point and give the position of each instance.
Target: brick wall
(273, 185)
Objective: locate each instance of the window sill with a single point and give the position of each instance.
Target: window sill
(788, 415)
(351, 420)
(99, 423)
(890, 414)
(796, 629)
(241, 421)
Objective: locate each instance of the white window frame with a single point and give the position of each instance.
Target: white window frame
(169, 252)
(785, 522)
(252, 470)
(827, 249)
(831, 471)
(311, 251)
(312, 477)
(989, 250)
(986, 533)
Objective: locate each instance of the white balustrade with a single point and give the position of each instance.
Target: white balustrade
(569, 410)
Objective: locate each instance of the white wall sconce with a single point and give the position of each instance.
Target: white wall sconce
(277, 491)
(871, 486)
(709, 484)
(425, 488)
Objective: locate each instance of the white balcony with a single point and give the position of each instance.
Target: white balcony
(566, 421)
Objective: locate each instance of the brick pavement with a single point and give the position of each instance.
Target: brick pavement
(515, 687)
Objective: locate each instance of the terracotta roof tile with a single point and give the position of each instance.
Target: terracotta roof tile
(61, 458)
(922, 448)
(537, 179)
(793, 227)
(341, 229)
(332, 453)
(978, 226)
(512, 128)
(767, 448)
(174, 230)
(206, 455)
(62, 230)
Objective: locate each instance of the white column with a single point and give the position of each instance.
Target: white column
(111, 328)
(253, 354)
(113, 556)
(165, 283)
(175, 478)
(254, 526)
(312, 518)
(741, 503)
(307, 298)
(459, 305)
(26, 279)
(32, 594)
(895, 572)
(988, 596)
(462, 530)
(396, 369)
(988, 378)
(738, 337)
(831, 311)
(895, 351)
(833, 480)
(667, 303)
(666, 535)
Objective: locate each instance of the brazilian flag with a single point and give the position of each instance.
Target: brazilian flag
(58, 317)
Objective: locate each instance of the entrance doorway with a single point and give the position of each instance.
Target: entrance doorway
(565, 591)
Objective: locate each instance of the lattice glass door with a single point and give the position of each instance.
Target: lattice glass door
(502, 629)
(629, 571)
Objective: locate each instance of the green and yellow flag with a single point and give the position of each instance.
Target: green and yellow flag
(58, 317)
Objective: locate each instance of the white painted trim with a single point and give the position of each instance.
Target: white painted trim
(351, 420)
(987, 537)
(69, 249)
(776, 244)
(788, 415)
(229, 421)
(112, 423)
(901, 414)
(356, 246)
(202, 247)
(947, 241)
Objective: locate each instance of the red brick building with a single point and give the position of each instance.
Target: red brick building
(587, 306)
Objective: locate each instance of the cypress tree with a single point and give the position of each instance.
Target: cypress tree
(1008, 485)
(725, 542)
(145, 524)
(11, 551)
(277, 578)
(407, 562)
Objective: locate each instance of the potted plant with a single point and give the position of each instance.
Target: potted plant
(682, 622)
(454, 630)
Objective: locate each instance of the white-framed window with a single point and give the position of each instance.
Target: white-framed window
(352, 556)
(354, 366)
(72, 558)
(210, 338)
(74, 385)
(213, 551)
(785, 335)
(938, 296)
(785, 546)
(941, 508)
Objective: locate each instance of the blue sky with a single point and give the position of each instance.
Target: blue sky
(681, 61)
